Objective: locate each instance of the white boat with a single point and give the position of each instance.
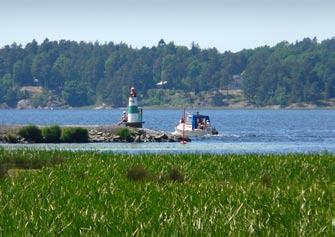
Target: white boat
(195, 125)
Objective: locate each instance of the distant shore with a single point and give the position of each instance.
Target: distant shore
(269, 107)
(238, 102)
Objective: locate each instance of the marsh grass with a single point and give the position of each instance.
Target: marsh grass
(176, 175)
(236, 195)
(138, 173)
(11, 160)
(266, 180)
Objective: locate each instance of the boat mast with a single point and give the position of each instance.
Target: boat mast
(183, 141)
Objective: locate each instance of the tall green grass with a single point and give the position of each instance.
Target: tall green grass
(93, 194)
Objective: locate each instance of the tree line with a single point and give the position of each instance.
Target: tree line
(85, 73)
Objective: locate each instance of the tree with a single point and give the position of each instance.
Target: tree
(161, 43)
(74, 94)
(88, 73)
(61, 72)
(192, 79)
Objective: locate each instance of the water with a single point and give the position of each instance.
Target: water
(241, 131)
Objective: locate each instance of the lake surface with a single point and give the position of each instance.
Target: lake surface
(241, 131)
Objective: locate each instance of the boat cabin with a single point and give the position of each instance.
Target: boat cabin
(198, 121)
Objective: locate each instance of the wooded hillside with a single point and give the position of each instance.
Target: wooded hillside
(84, 73)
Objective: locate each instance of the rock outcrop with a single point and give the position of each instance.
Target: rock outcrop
(8, 134)
(109, 134)
(24, 104)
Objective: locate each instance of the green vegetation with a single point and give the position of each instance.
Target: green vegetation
(176, 175)
(52, 134)
(11, 138)
(107, 194)
(74, 135)
(27, 161)
(82, 73)
(31, 133)
(138, 173)
(125, 134)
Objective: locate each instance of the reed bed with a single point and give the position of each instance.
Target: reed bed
(85, 193)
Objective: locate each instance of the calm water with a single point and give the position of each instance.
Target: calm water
(241, 131)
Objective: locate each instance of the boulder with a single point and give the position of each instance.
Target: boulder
(137, 138)
(116, 139)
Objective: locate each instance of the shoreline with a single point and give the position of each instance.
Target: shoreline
(189, 108)
(96, 134)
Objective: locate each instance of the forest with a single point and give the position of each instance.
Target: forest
(86, 73)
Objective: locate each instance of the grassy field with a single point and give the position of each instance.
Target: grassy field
(62, 193)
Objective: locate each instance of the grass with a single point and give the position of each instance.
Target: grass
(96, 194)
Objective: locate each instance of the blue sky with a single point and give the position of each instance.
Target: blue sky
(226, 24)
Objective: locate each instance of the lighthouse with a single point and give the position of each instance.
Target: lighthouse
(134, 112)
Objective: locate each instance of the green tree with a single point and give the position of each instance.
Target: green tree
(74, 94)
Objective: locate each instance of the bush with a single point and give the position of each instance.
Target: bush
(52, 134)
(11, 138)
(71, 135)
(31, 133)
(125, 134)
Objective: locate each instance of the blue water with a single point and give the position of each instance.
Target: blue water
(241, 131)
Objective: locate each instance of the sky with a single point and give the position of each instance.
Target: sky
(224, 24)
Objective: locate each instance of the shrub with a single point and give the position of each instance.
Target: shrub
(52, 134)
(138, 173)
(31, 133)
(176, 175)
(78, 134)
(11, 138)
(124, 133)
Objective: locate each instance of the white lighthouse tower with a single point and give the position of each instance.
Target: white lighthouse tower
(134, 112)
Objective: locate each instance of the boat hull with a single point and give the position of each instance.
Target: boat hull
(189, 132)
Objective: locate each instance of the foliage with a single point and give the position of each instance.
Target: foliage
(124, 133)
(11, 138)
(31, 133)
(223, 195)
(89, 73)
(74, 135)
(17, 160)
(52, 134)
(40, 100)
